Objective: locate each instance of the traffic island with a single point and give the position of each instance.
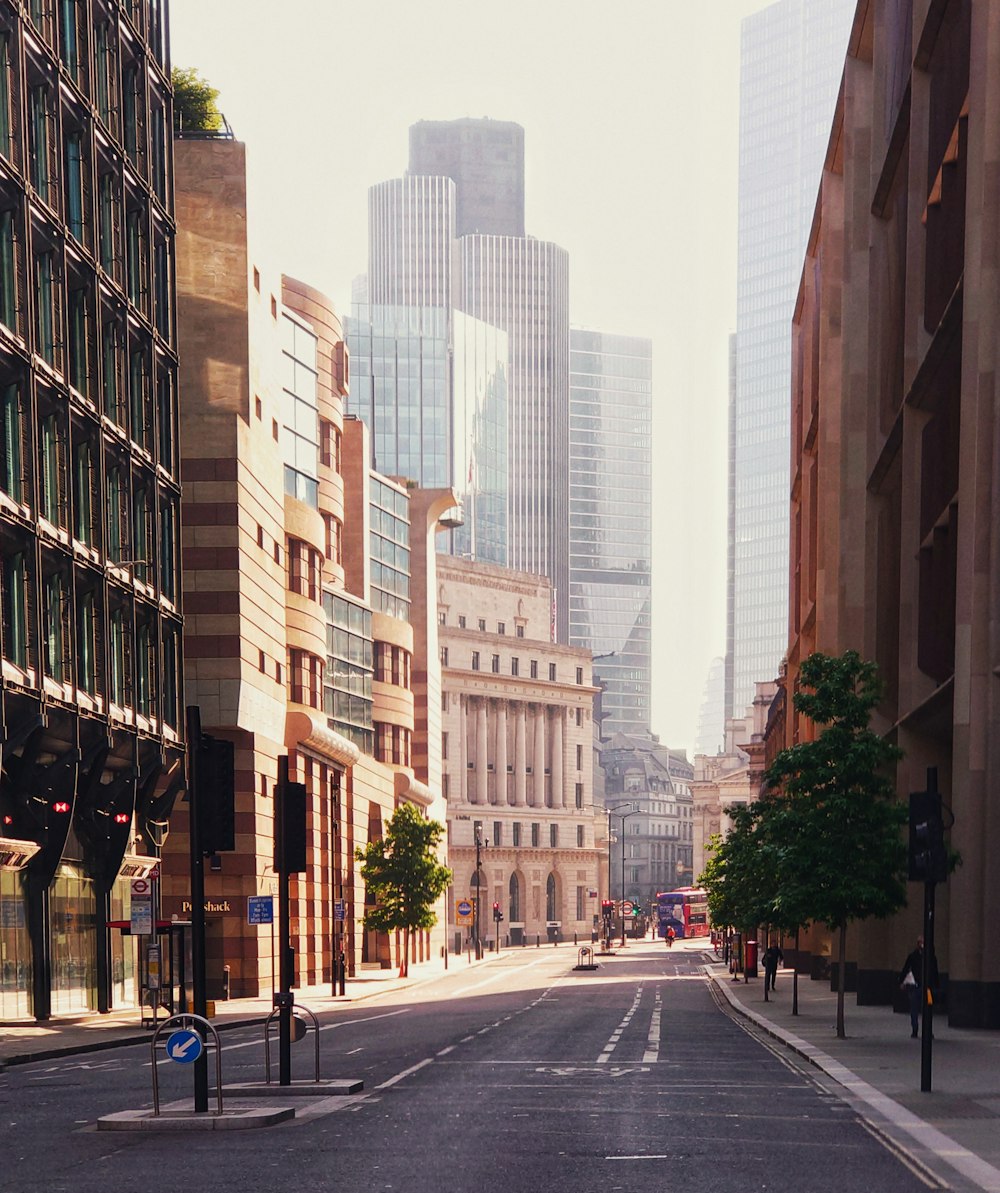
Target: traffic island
(298, 1089)
(179, 1116)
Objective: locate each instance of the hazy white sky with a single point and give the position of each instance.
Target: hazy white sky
(631, 118)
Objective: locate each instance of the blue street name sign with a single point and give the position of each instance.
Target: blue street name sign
(184, 1046)
(260, 909)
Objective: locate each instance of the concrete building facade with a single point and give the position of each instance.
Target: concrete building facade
(517, 729)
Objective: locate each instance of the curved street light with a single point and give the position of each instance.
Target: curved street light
(614, 811)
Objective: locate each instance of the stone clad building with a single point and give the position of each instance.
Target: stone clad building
(894, 491)
(517, 737)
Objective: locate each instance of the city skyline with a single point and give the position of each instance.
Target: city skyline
(631, 272)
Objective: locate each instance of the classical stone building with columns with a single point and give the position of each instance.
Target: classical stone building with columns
(517, 730)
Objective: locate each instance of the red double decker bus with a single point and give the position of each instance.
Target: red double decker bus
(685, 910)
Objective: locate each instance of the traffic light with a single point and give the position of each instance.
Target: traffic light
(607, 908)
(216, 795)
(497, 913)
(290, 833)
(928, 853)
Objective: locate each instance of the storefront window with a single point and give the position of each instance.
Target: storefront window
(124, 990)
(15, 951)
(73, 917)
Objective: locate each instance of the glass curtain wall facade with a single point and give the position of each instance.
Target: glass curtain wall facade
(89, 490)
(791, 61)
(610, 515)
(411, 239)
(432, 386)
(521, 285)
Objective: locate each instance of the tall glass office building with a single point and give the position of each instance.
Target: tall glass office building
(610, 507)
(791, 61)
(431, 384)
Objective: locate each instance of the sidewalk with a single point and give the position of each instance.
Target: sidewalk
(21, 1044)
(878, 1063)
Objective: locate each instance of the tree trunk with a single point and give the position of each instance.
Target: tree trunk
(795, 977)
(404, 960)
(841, 966)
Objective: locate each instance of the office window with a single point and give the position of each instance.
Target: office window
(514, 666)
(15, 609)
(107, 222)
(579, 757)
(83, 482)
(86, 643)
(515, 830)
(144, 663)
(6, 92)
(519, 631)
(581, 906)
(475, 660)
(444, 746)
(69, 40)
(117, 689)
(552, 671)
(140, 532)
(495, 664)
(161, 287)
(501, 627)
(134, 255)
(168, 548)
(579, 836)
(579, 716)
(8, 270)
(553, 835)
(79, 341)
(110, 381)
(55, 604)
(579, 675)
(534, 668)
(103, 72)
(73, 182)
(45, 315)
(165, 416)
(497, 832)
(140, 405)
(12, 443)
(51, 448)
(578, 795)
(116, 526)
(169, 704)
(444, 656)
(40, 121)
(461, 621)
(535, 834)
(482, 624)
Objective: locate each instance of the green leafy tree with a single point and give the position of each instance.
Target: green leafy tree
(834, 815)
(195, 102)
(403, 875)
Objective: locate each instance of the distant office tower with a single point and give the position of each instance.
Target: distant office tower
(431, 384)
(610, 507)
(792, 59)
(411, 235)
(712, 716)
(521, 285)
(485, 160)
(453, 241)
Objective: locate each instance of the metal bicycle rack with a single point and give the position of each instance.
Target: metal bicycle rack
(296, 1006)
(191, 1022)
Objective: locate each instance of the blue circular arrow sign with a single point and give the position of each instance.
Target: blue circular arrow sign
(184, 1046)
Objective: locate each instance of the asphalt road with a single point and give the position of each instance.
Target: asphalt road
(518, 1075)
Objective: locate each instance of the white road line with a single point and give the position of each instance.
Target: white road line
(406, 1073)
(616, 1035)
(652, 1053)
(445, 1051)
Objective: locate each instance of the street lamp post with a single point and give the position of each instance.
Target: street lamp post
(480, 846)
(614, 810)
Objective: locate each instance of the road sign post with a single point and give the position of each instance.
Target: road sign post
(198, 975)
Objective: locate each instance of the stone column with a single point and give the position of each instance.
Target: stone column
(500, 754)
(560, 797)
(538, 759)
(520, 776)
(463, 750)
(482, 776)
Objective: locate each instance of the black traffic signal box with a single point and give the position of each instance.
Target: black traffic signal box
(216, 800)
(928, 852)
(290, 831)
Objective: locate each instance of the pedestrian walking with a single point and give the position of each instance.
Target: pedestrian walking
(773, 957)
(911, 979)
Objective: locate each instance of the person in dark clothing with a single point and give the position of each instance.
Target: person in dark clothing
(911, 979)
(772, 958)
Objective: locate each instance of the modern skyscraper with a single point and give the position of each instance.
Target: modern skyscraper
(485, 160)
(610, 510)
(712, 715)
(454, 243)
(791, 61)
(90, 702)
